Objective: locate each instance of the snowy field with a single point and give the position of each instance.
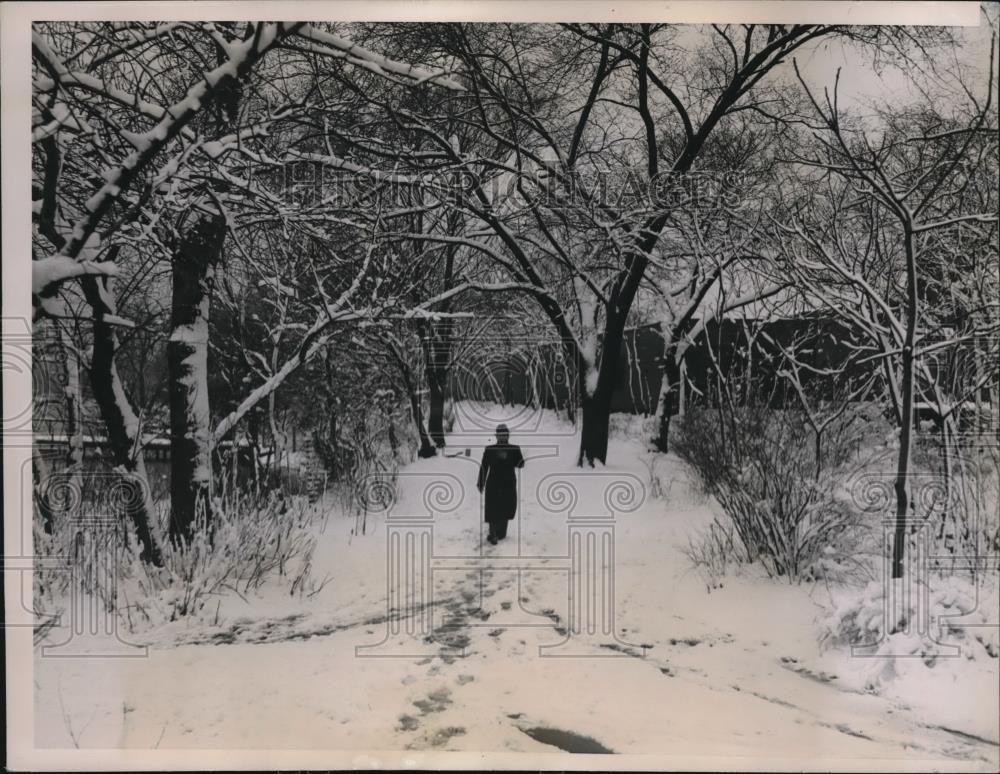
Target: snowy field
(692, 671)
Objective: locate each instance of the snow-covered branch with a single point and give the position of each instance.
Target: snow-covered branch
(342, 48)
(48, 273)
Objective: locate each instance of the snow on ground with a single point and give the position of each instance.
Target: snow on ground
(690, 671)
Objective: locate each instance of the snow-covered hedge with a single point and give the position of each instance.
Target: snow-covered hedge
(959, 613)
(760, 466)
(255, 545)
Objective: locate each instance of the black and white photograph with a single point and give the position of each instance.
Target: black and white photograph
(473, 385)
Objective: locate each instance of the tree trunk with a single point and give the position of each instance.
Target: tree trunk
(193, 271)
(74, 407)
(437, 353)
(435, 416)
(40, 485)
(818, 447)
(331, 440)
(123, 436)
(194, 264)
(596, 412)
(427, 449)
(950, 506)
(74, 419)
(393, 438)
(666, 404)
(902, 485)
(597, 402)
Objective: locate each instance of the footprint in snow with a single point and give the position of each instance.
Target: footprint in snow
(436, 701)
(442, 736)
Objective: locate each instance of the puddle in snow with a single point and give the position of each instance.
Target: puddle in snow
(566, 740)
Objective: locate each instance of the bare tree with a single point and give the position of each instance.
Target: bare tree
(586, 256)
(147, 140)
(886, 201)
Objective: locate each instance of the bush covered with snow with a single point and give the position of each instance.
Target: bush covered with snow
(50, 577)
(714, 550)
(939, 615)
(761, 467)
(253, 544)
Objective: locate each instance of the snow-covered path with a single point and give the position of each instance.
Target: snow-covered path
(690, 674)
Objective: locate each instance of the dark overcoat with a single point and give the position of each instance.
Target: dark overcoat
(498, 481)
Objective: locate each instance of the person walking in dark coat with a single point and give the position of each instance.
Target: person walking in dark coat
(498, 482)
